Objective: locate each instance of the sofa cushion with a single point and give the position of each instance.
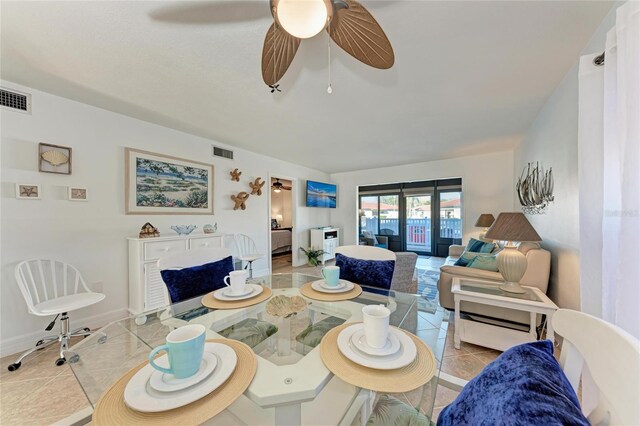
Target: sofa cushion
(374, 273)
(523, 386)
(478, 246)
(486, 263)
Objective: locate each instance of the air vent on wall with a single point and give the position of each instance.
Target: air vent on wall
(221, 152)
(15, 100)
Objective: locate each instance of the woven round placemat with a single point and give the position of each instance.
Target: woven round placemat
(404, 379)
(111, 409)
(308, 291)
(211, 302)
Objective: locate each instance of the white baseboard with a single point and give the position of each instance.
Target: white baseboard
(22, 343)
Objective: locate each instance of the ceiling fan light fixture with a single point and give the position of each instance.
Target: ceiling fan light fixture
(303, 18)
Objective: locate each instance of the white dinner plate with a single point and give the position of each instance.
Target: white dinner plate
(140, 396)
(359, 340)
(221, 294)
(342, 287)
(247, 290)
(163, 382)
(405, 355)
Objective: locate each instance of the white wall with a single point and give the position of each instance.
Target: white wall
(92, 235)
(487, 187)
(281, 203)
(553, 141)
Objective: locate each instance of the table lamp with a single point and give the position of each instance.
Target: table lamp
(279, 219)
(484, 221)
(512, 264)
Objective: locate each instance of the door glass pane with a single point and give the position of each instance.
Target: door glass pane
(369, 214)
(451, 215)
(418, 223)
(389, 217)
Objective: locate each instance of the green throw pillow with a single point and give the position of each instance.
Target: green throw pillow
(478, 246)
(486, 263)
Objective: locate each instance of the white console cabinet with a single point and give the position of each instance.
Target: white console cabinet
(146, 288)
(327, 239)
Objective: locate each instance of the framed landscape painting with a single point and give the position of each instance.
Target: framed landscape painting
(160, 184)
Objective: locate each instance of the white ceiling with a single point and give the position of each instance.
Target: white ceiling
(469, 77)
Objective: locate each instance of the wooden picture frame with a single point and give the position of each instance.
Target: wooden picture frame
(54, 159)
(28, 191)
(77, 193)
(162, 184)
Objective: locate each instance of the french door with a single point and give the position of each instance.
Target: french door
(422, 217)
(448, 220)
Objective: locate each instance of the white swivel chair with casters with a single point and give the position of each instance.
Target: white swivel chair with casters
(247, 251)
(51, 287)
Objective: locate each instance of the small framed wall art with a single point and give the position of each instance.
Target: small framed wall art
(54, 159)
(78, 194)
(27, 191)
(161, 184)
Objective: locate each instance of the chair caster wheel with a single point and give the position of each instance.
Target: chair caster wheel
(75, 358)
(14, 366)
(102, 339)
(60, 361)
(40, 343)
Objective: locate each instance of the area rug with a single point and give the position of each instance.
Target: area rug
(428, 284)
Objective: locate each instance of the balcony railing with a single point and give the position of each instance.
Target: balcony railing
(418, 230)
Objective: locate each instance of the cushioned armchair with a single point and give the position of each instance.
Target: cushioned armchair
(375, 240)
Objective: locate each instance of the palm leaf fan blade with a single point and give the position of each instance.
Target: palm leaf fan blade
(357, 32)
(278, 52)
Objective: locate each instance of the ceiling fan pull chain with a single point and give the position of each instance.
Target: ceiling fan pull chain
(329, 88)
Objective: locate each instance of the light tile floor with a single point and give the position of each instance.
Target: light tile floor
(40, 393)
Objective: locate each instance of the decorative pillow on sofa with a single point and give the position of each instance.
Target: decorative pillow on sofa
(478, 246)
(187, 283)
(465, 258)
(523, 386)
(374, 273)
(486, 263)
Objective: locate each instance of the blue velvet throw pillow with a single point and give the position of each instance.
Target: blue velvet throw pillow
(374, 273)
(523, 386)
(478, 246)
(188, 283)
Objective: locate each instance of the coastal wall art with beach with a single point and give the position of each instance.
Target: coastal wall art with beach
(161, 184)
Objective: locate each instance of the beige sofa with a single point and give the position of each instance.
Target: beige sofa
(537, 275)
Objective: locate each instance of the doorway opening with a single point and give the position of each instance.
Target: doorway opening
(281, 191)
(422, 217)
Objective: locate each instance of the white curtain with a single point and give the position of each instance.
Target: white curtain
(621, 184)
(609, 165)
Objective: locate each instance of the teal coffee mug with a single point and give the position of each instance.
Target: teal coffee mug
(331, 275)
(185, 348)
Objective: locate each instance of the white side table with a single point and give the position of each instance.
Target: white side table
(492, 336)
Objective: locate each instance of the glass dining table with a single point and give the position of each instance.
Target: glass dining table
(291, 385)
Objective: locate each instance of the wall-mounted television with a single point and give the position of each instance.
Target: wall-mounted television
(321, 194)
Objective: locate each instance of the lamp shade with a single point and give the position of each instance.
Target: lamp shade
(303, 18)
(512, 227)
(485, 220)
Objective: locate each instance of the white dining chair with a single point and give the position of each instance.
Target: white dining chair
(51, 287)
(247, 251)
(366, 252)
